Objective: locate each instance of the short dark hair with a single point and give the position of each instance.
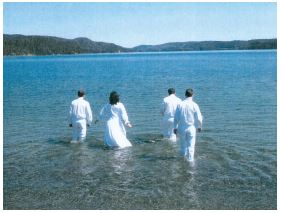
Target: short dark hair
(81, 93)
(171, 91)
(189, 93)
(113, 98)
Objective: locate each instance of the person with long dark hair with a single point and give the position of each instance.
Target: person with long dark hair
(115, 115)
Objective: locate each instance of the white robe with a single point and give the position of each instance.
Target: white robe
(168, 109)
(187, 119)
(115, 133)
(80, 114)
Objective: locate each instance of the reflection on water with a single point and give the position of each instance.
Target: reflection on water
(120, 160)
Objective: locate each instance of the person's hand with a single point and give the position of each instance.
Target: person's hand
(175, 131)
(129, 125)
(70, 125)
(199, 129)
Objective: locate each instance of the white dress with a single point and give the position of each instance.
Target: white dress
(115, 133)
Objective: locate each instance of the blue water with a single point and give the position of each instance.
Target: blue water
(235, 157)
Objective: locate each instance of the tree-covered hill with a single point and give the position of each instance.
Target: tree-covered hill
(210, 45)
(47, 45)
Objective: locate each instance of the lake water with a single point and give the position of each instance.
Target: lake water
(235, 157)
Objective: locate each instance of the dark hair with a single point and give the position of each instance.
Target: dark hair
(189, 93)
(81, 93)
(171, 91)
(113, 98)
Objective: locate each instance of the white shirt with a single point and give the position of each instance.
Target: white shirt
(169, 105)
(187, 114)
(80, 109)
(117, 111)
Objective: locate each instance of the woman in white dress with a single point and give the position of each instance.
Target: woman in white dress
(115, 115)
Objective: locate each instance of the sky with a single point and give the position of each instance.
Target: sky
(130, 23)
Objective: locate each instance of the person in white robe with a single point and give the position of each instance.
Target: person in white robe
(168, 109)
(115, 116)
(80, 117)
(188, 119)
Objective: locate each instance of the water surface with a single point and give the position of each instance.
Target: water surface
(235, 157)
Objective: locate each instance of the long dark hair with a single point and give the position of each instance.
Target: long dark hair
(113, 98)
(189, 93)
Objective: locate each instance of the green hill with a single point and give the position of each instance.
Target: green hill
(47, 45)
(210, 45)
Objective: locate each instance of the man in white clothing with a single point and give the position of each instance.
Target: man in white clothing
(80, 117)
(187, 120)
(168, 109)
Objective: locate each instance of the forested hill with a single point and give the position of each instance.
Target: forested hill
(47, 45)
(210, 45)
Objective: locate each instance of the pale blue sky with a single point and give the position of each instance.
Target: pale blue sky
(132, 24)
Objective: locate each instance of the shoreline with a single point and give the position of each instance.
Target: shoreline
(142, 52)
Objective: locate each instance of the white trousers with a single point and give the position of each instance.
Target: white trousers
(79, 131)
(187, 141)
(168, 129)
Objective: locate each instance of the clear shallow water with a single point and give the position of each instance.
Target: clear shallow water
(235, 158)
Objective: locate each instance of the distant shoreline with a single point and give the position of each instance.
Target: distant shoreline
(140, 53)
(21, 45)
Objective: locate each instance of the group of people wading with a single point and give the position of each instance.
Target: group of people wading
(180, 118)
